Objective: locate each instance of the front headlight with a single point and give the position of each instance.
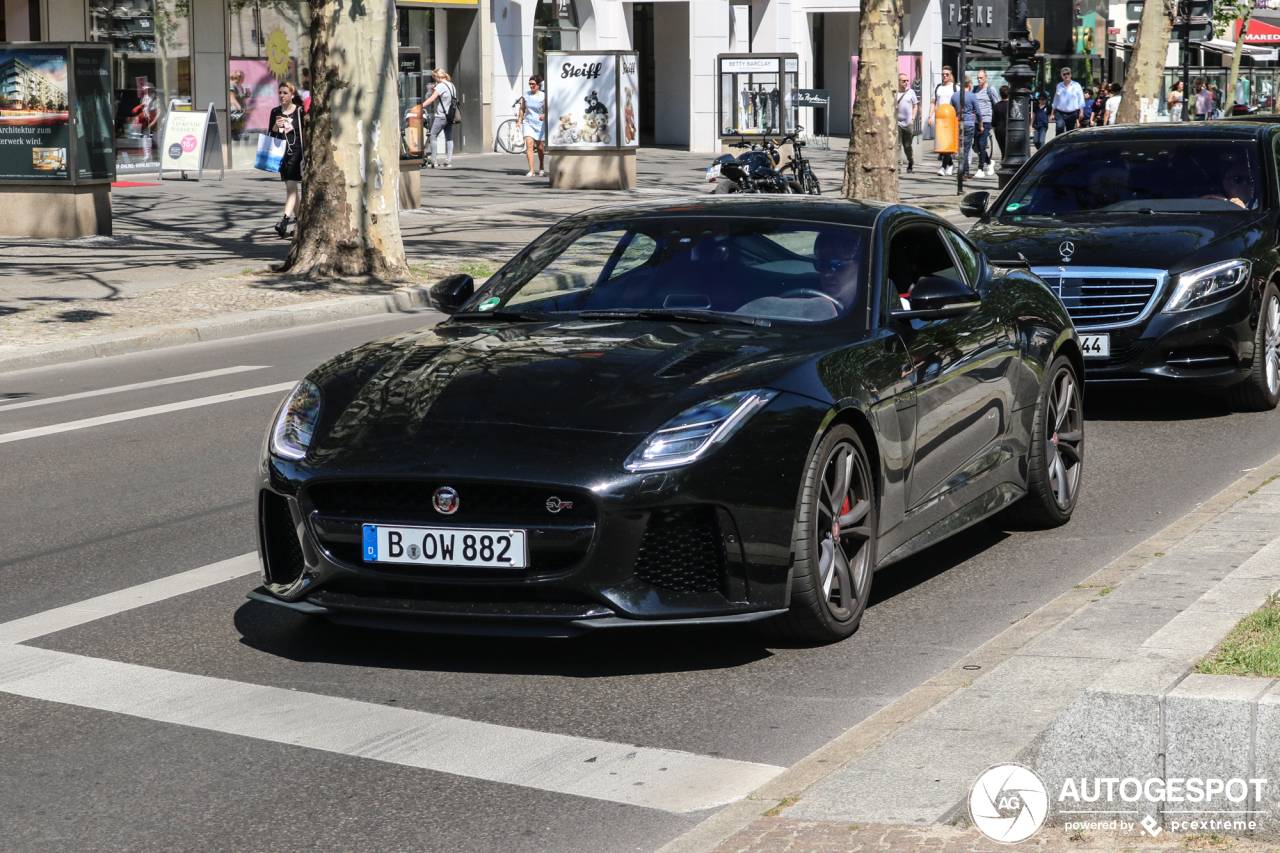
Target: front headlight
(1206, 285)
(694, 432)
(296, 424)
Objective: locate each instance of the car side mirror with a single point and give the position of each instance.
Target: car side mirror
(975, 204)
(934, 297)
(452, 292)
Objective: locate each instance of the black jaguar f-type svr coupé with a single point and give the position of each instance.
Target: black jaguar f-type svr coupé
(683, 412)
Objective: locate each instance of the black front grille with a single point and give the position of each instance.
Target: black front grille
(1111, 301)
(410, 500)
(281, 551)
(681, 551)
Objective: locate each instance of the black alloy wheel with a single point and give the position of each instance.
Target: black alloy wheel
(1056, 460)
(1260, 392)
(835, 544)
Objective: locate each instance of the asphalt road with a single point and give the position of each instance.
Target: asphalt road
(107, 507)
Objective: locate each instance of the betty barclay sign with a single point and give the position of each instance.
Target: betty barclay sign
(581, 95)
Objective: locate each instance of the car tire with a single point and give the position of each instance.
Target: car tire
(1260, 392)
(831, 576)
(1056, 460)
(724, 186)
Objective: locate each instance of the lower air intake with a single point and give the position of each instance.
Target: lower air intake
(681, 551)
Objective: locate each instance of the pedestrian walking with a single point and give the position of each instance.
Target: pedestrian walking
(1204, 100)
(1113, 105)
(1000, 120)
(442, 106)
(987, 100)
(1040, 124)
(1100, 105)
(966, 104)
(908, 109)
(533, 121)
(1068, 101)
(285, 122)
(942, 94)
(1175, 101)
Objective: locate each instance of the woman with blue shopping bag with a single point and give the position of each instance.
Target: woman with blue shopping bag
(280, 150)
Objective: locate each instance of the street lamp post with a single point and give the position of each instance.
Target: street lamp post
(1020, 48)
(966, 32)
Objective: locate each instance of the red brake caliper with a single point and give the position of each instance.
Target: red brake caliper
(835, 528)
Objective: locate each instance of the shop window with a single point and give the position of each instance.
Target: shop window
(555, 27)
(269, 44)
(416, 55)
(151, 69)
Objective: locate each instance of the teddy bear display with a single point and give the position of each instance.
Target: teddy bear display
(567, 132)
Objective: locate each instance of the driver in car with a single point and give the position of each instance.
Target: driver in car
(838, 260)
(1237, 185)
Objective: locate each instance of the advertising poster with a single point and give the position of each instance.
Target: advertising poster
(263, 93)
(183, 145)
(95, 139)
(581, 101)
(629, 86)
(34, 125)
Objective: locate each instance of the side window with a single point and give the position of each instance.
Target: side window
(967, 255)
(915, 252)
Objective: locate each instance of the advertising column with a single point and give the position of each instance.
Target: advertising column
(34, 121)
(592, 136)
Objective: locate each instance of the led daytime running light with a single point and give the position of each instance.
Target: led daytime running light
(695, 432)
(296, 424)
(1206, 285)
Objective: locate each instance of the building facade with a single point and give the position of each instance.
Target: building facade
(171, 54)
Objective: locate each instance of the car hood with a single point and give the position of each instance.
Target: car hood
(616, 377)
(1156, 241)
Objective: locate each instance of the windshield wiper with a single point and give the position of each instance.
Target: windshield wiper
(692, 316)
(507, 316)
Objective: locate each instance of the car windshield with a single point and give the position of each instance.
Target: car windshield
(1173, 176)
(770, 270)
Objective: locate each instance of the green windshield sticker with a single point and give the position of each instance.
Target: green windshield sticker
(1013, 206)
(489, 304)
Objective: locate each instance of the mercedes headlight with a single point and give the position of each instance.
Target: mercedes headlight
(695, 432)
(296, 424)
(1199, 287)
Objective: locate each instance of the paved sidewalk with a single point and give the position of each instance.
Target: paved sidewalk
(184, 251)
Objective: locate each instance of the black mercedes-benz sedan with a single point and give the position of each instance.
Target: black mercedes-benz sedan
(724, 410)
(1161, 241)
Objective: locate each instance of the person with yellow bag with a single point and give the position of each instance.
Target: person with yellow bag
(942, 97)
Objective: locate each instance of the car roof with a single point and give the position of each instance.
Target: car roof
(836, 210)
(1223, 128)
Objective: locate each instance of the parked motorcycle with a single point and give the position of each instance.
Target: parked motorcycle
(755, 170)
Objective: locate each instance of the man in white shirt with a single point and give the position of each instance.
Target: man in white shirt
(942, 95)
(908, 106)
(987, 100)
(1068, 101)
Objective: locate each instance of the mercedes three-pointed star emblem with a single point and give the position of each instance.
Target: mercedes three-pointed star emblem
(1067, 249)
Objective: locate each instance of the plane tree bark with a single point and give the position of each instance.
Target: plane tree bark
(871, 166)
(348, 218)
(1146, 68)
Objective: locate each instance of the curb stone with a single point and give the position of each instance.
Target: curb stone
(213, 329)
(806, 776)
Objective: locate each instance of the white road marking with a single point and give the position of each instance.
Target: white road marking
(663, 779)
(61, 618)
(637, 776)
(85, 423)
(154, 383)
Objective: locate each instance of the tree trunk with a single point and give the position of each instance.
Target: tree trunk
(1229, 98)
(348, 218)
(871, 166)
(1146, 68)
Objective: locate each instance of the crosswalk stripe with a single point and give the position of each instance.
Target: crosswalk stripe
(85, 423)
(637, 776)
(152, 383)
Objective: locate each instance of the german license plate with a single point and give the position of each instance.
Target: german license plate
(1096, 346)
(713, 172)
(445, 546)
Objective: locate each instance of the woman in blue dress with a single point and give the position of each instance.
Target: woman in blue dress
(533, 120)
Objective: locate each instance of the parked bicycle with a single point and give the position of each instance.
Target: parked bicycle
(798, 164)
(510, 138)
